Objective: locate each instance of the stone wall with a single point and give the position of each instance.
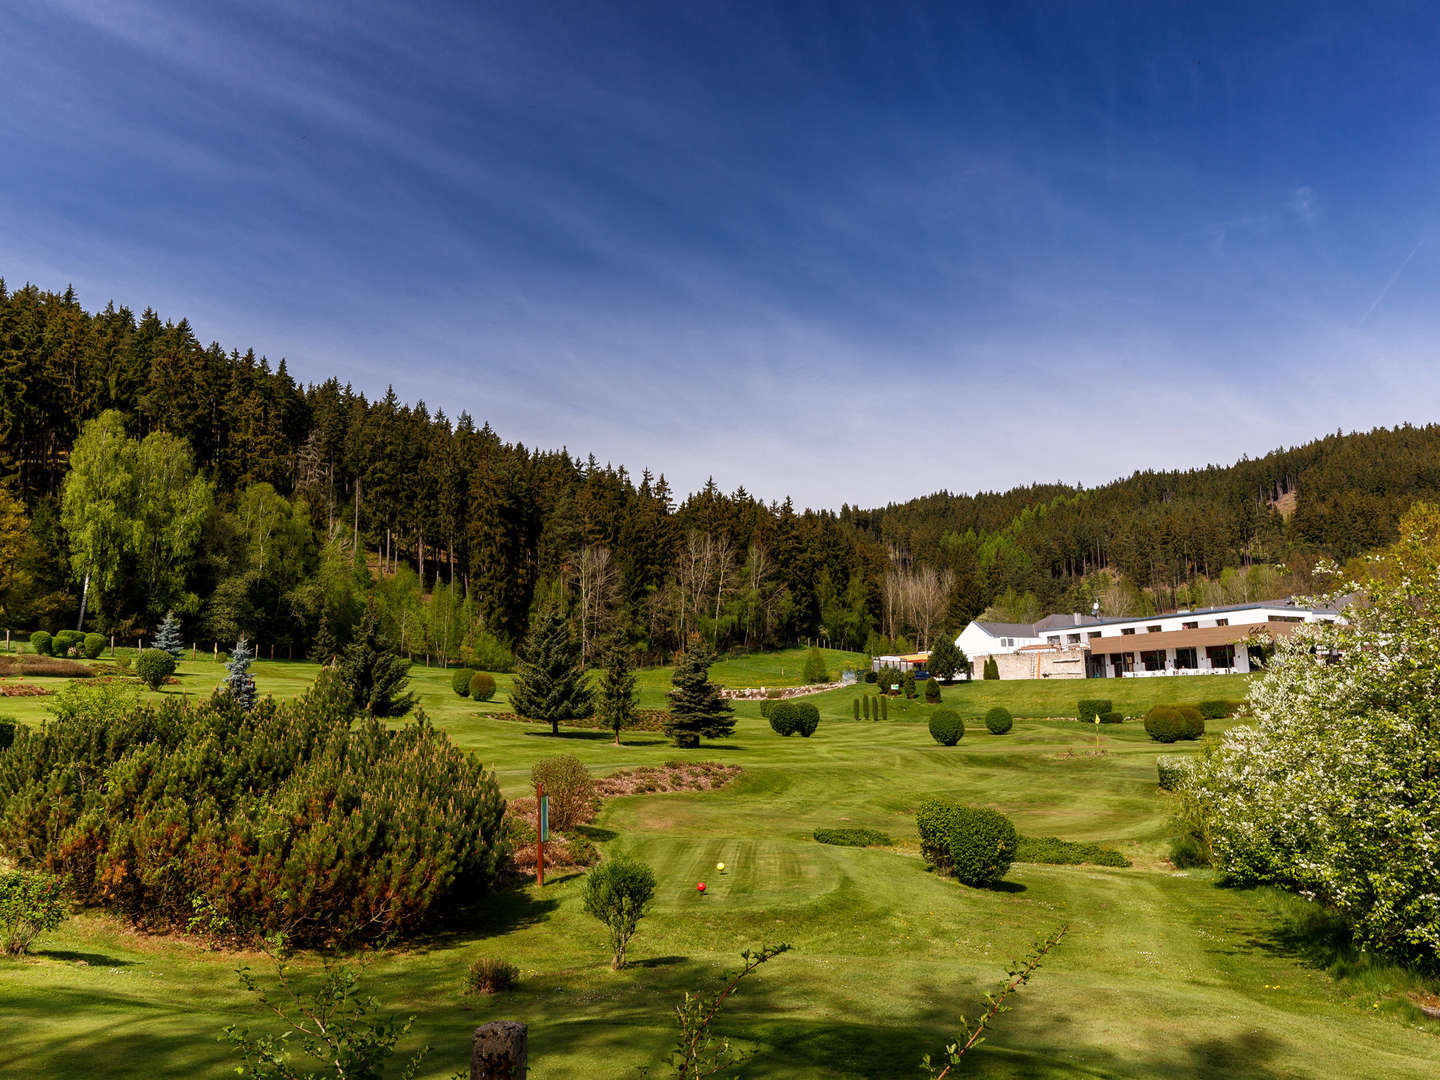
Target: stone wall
(1037, 664)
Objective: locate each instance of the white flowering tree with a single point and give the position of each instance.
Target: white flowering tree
(1334, 790)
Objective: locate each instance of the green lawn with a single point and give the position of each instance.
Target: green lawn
(1162, 974)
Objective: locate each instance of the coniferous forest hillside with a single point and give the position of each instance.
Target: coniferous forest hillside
(143, 472)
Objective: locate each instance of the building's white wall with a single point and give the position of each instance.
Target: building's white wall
(1243, 617)
(975, 641)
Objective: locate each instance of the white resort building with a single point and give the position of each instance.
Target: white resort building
(1209, 641)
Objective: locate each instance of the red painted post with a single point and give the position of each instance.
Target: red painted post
(539, 844)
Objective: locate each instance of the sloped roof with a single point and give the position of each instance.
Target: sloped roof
(1007, 629)
(1060, 622)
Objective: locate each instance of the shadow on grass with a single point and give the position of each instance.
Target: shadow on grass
(658, 961)
(66, 956)
(504, 911)
(596, 833)
(1319, 938)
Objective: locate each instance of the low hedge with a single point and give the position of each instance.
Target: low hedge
(853, 837)
(1171, 723)
(1112, 717)
(1088, 709)
(947, 727)
(1173, 769)
(971, 842)
(1057, 852)
(793, 718)
(998, 720)
(1221, 709)
(460, 681)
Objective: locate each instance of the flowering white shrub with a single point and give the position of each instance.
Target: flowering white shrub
(1334, 789)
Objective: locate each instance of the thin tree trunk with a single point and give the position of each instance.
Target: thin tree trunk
(84, 596)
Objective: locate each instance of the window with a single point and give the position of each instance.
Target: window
(1287, 618)
(1128, 630)
(1072, 639)
(1007, 642)
(1153, 659)
(1094, 634)
(1221, 656)
(1190, 626)
(1152, 629)
(1185, 659)
(1054, 639)
(1222, 622)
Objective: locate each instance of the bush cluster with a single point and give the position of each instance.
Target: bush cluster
(1170, 723)
(792, 717)
(1114, 716)
(1087, 709)
(489, 975)
(998, 720)
(154, 666)
(1221, 709)
(31, 904)
(571, 789)
(66, 642)
(1053, 850)
(947, 727)
(1173, 769)
(853, 837)
(281, 818)
(460, 681)
(975, 844)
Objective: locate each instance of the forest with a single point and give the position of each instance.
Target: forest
(142, 472)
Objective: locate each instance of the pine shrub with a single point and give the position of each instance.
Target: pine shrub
(815, 670)
(41, 642)
(855, 708)
(907, 685)
(93, 646)
(482, 686)
(885, 709)
(460, 681)
(284, 817)
(169, 638)
(932, 691)
(947, 727)
(154, 666)
(570, 787)
(7, 732)
(998, 720)
(1089, 708)
(696, 707)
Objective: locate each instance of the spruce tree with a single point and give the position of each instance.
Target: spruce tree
(946, 660)
(168, 639)
(696, 707)
(550, 679)
(238, 680)
(375, 675)
(615, 698)
(324, 649)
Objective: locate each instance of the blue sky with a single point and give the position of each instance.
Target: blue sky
(847, 252)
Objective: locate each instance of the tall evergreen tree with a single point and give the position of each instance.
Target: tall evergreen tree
(324, 649)
(168, 638)
(376, 676)
(550, 680)
(696, 707)
(615, 700)
(238, 680)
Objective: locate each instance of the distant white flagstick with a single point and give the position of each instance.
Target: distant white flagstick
(1393, 278)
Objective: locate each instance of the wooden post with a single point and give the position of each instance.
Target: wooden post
(498, 1051)
(539, 844)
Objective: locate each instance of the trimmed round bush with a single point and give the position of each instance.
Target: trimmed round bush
(794, 718)
(932, 690)
(1193, 720)
(934, 819)
(1087, 709)
(999, 720)
(947, 727)
(93, 646)
(489, 975)
(154, 666)
(41, 642)
(482, 686)
(1220, 709)
(1112, 717)
(460, 681)
(982, 844)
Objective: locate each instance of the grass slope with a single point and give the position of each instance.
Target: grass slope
(1162, 974)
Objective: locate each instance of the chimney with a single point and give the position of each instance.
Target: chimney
(1076, 616)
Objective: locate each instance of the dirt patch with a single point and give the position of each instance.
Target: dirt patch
(645, 720)
(44, 667)
(672, 776)
(23, 690)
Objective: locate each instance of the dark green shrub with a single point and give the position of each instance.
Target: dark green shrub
(888, 677)
(1170, 723)
(865, 706)
(934, 819)
(982, 843)
(947, 727)
(488, 975)
(855, 708)
(31, 904)
(999, 720)
(1112, 717)
(93, 646)
(1053, 850)
(794, 718)
(870, 676)
(67, 641)
(617, 893)
(853, 837)
(815, 670)
(775, 694)
(460, 681)
(992, 668)
(1088, 709)
(807, 718)
(885, 709)
(932, 691)
(570, 787)
(482, 686)
(907, 685)
(782, 720)
(7, 732)
(41, 642)
(230, 810)
(1221, 709)
(154, 666)
(1173, 769)
(1187, 852)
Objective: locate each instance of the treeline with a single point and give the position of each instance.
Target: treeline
(316, 498)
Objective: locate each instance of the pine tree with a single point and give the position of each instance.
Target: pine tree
(325, 648)
(549, 680)
(376, 676)
(615, 699)
(946, 660)
(168, 639)
(238, 680)
(696, 707)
